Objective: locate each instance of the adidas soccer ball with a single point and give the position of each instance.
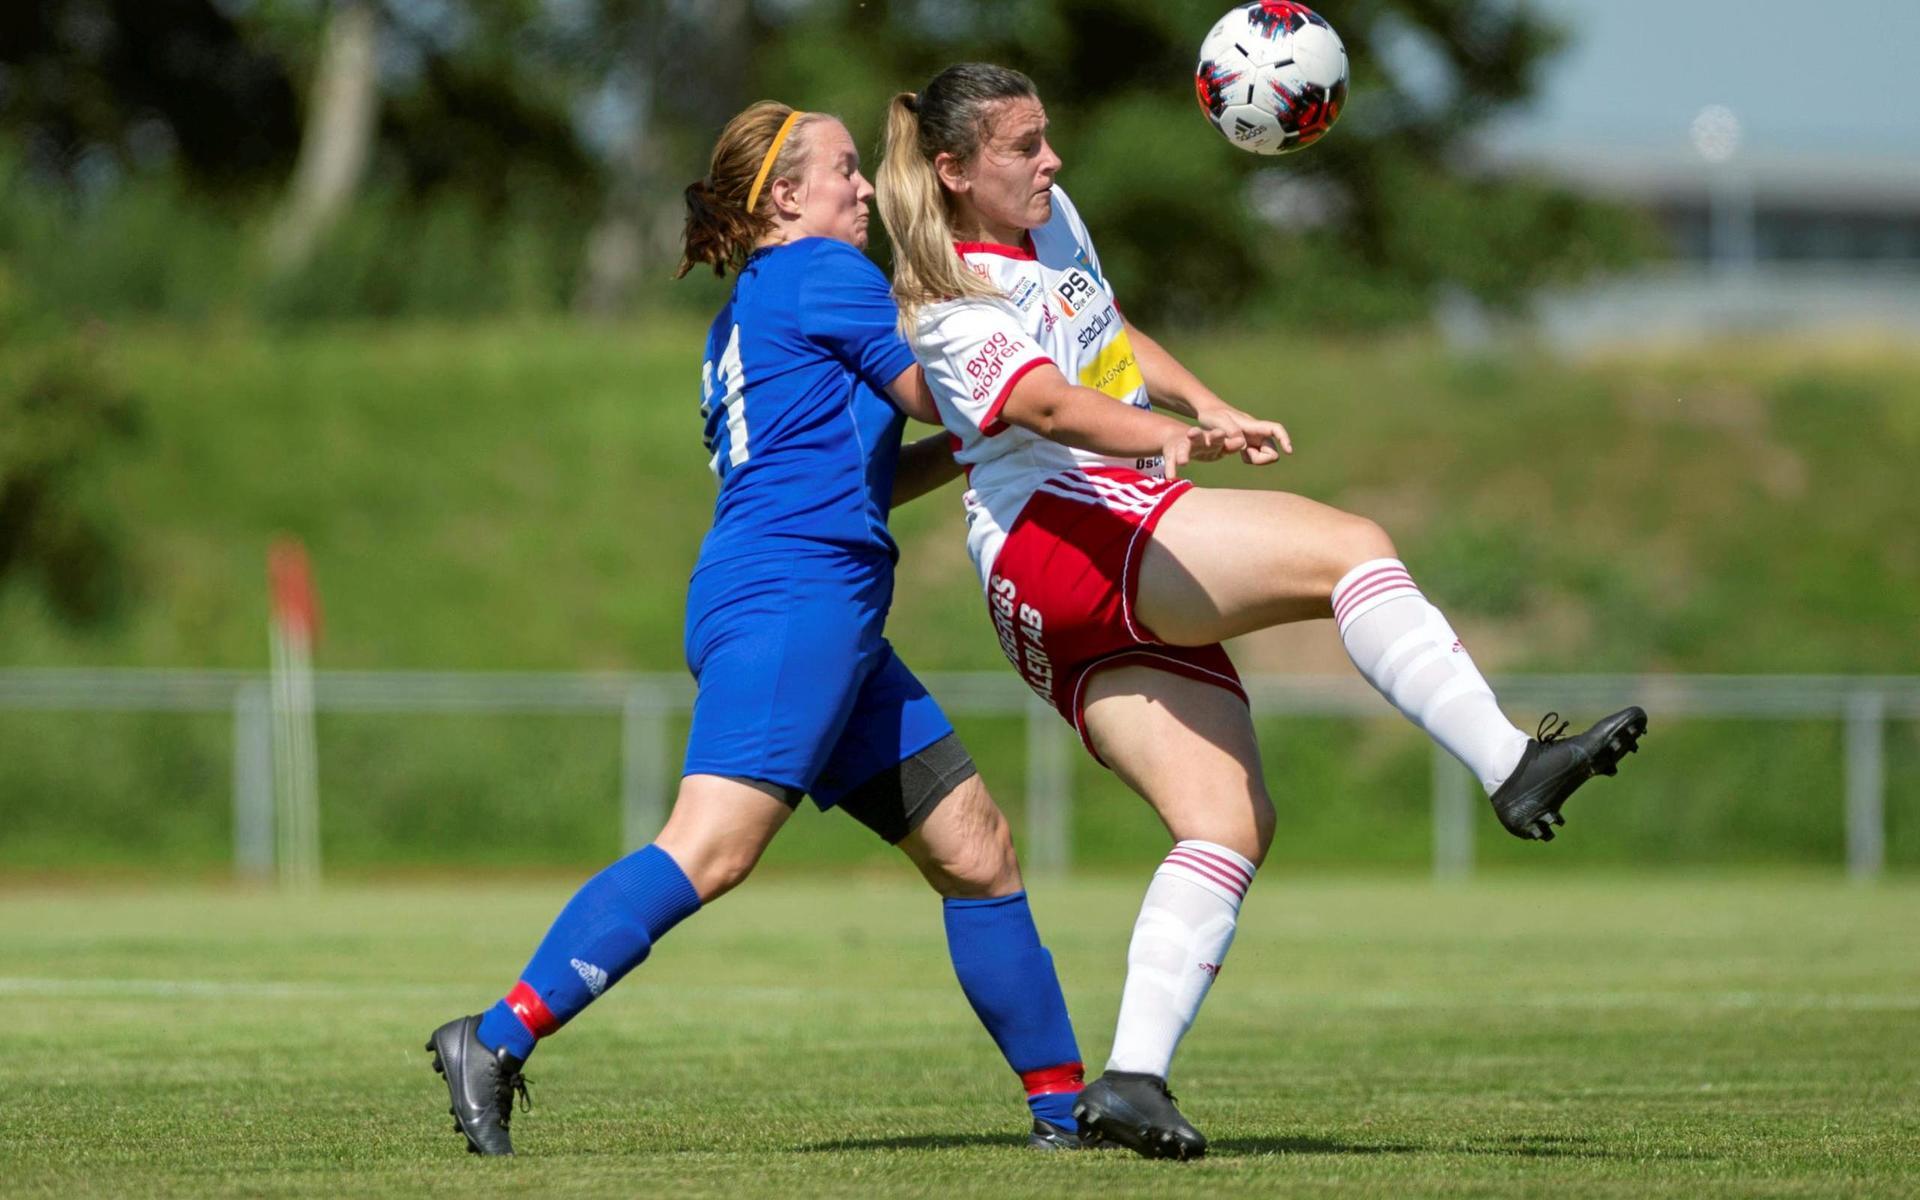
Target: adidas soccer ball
(1272, 76)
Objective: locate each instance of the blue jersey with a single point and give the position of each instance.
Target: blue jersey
(798, 687)
(798, 426)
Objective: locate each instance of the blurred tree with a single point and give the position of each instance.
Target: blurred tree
(580, 121)
(89, 88)
(60, 412)
(675, 71)
(1367, 226)
(342, 111)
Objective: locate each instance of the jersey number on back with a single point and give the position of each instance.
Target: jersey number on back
(727, 394)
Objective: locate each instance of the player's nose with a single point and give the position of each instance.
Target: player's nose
(1049, 161)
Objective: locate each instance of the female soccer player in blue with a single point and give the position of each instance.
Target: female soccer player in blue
(805, 392)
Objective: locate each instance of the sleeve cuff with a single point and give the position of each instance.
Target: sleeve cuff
(990, 423)
(888, 366)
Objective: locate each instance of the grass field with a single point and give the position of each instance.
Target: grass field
(1740, 1036)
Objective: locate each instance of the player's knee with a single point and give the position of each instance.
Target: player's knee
(974, 857)
(1364, 540)
(714, 868)
(728, 869)
(1350, 541)
(1263, 823)
(986, 867)
(995, 870)
(715, 861)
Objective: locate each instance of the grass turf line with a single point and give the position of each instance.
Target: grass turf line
(1741, 1037)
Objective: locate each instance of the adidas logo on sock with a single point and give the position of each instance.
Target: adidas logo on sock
(595, 978)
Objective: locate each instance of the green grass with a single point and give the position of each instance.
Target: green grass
(1740, 1036)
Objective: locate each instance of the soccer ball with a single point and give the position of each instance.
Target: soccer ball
(1272, 76)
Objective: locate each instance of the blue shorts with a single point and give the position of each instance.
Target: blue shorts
(797, 686)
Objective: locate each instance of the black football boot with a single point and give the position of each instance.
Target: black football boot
(1553, 767)
(481, 1084)
(1048, 1136)
(1136, 1111)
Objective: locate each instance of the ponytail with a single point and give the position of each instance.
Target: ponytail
(716, 235)
(725, 217)
(949, 116)
(926, 267)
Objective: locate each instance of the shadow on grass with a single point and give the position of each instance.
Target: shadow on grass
(919, 1141)
(1518, 1146)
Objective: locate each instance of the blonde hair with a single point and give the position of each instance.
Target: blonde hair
(950, 115)
(721, 227)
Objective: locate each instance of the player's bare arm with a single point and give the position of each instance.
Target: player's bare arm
(1044, 402)
(910, 394)
(926, 465)
(1172, 387)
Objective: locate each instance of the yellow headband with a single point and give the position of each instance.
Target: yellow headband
(773, 152)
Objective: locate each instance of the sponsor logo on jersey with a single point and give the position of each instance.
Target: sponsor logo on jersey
(1074, 292)
(1115, 371)
(1024, 295)
(1099, 326)
(985, 367)
(592, 976)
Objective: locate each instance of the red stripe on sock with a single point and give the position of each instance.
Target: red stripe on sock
(1205, 871)
(1383, 575)
(1371, 576)
(532, 1010)
(1220, 860)
(1049, 1081)
(1354, 599)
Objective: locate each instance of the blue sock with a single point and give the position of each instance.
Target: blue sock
(1009, 979)
(606, 930)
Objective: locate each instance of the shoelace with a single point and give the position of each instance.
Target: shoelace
(509, 1086)
(1546, 733)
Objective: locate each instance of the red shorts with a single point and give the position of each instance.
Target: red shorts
(1063, 588)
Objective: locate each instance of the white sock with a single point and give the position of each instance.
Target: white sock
(1405, 648)
(1186, 924)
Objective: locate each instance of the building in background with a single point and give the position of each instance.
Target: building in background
(1776, 144)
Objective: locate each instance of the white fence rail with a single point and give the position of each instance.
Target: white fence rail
(646, 703)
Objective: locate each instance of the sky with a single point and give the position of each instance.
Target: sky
(1805, 77)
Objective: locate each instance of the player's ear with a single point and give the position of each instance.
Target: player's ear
(952, 172)
(787, 200)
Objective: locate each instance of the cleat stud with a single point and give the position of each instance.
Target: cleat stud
(1545, 833)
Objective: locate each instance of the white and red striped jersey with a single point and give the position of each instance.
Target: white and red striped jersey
(1055, 306)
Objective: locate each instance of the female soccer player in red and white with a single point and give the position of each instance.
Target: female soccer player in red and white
(1111, 582)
